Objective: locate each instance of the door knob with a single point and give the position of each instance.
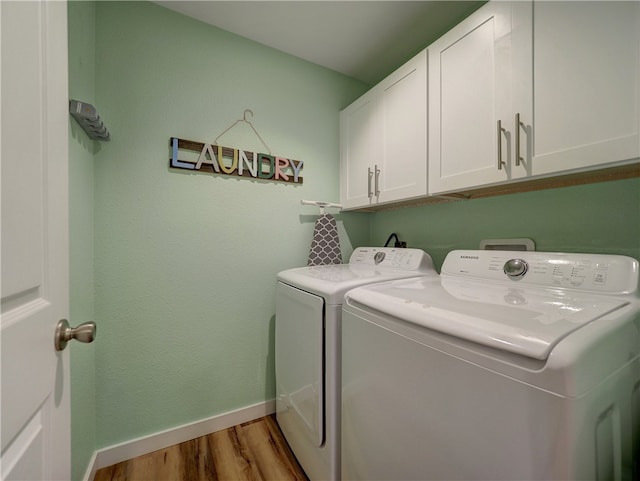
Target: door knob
(85, 332)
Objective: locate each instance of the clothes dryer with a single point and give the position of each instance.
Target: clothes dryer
(307, 343)
(508, 366)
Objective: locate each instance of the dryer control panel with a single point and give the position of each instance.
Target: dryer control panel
(612, 274)
(391, 257)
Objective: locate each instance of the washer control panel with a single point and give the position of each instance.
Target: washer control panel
(592, 272)
(391, 257)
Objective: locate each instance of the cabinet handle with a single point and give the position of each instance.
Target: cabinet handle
(377, 180)
(519, 125)
(369, 176)
(500, 130)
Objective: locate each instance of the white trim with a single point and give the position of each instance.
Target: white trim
(90, 474)
(163, 439)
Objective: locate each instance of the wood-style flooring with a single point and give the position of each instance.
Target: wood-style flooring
(253, 451)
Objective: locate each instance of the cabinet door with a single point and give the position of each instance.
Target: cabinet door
(403, 120)
(585, 84)
(358, 151)
(470, 89)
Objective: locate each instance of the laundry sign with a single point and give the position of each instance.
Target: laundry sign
(216, 159)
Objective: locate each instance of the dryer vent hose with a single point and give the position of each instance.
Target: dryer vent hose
(397, 243)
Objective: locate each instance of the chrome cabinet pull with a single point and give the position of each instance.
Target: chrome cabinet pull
(377, 180)
(369, 176)
(500, 130)
(519, 125)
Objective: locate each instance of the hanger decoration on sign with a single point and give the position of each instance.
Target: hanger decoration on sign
(216, 159)
(243, 119)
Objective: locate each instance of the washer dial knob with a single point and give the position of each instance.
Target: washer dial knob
(515, 268)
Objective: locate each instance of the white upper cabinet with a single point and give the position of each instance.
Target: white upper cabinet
(403, 123)
(586, 82)
(522, 89)
(471, 97)
(358, 149)
(383, 140)
(517, 90)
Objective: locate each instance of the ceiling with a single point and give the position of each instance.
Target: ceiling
(365, 40)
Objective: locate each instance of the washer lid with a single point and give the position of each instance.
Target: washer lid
(529, 322)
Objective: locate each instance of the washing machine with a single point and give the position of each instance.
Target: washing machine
(307, 348)
(509, 366)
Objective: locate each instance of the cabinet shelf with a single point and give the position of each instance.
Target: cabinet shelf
(607, 174)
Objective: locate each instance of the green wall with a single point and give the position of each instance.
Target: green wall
(596, 218)
(81, 17)
(185, 263)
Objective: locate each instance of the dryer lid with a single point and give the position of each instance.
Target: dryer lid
(529, 322)
(366, 265)
(333, 281)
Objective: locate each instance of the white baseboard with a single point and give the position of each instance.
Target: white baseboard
(147, 444)
(90, 474)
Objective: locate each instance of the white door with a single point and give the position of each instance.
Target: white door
(359, 152)
(34, 289)
(586, 84)
(403, 111)
(470, 90)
